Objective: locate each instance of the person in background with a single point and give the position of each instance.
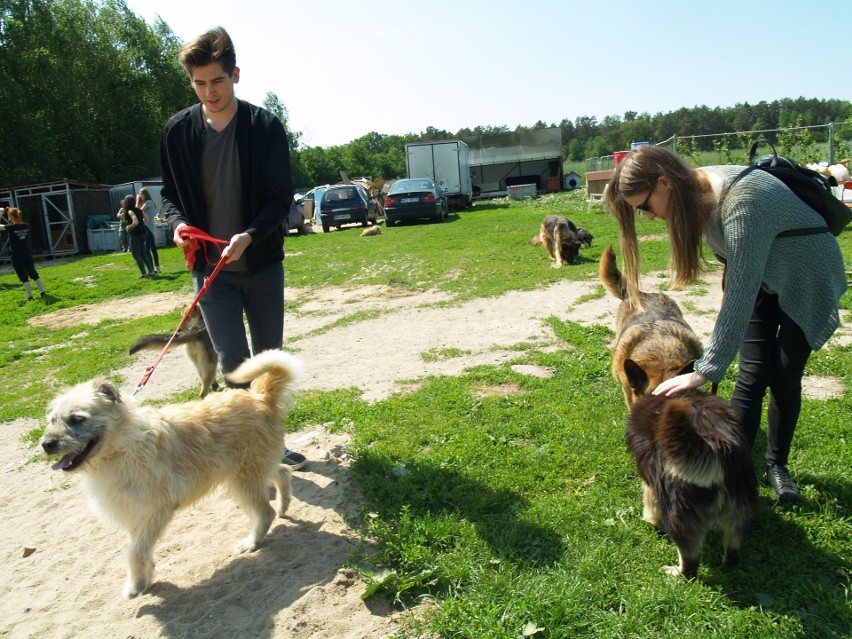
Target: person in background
(22, 257)
(149, 209)
(123, 243)
(781, 294)
(136, 235)
(226, 171)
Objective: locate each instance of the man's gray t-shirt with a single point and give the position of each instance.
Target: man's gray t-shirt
(222, 186)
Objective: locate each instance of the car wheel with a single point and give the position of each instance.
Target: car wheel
(388, 221)
(325, 227)
(364, 221)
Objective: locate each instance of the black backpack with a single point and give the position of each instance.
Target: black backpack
(813, 188)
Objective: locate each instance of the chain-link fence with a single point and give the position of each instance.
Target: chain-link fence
(822, 143)
(827, 143)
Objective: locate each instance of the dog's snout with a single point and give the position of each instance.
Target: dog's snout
(50, 446)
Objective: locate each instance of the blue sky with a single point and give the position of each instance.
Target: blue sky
(344, 69)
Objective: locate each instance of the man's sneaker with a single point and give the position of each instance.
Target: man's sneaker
(296, 461)
(782, 484)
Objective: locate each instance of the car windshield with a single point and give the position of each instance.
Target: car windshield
(340, 195)
(410, 185)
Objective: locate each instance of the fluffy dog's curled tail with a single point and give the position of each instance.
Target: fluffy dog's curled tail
(687, 454)
(610, 276)
(272, 373)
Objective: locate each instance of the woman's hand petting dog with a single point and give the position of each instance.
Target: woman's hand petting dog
(680, 383)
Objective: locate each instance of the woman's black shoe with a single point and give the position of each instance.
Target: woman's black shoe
(782, 484)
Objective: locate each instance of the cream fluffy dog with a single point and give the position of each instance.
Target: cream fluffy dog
(140, 464)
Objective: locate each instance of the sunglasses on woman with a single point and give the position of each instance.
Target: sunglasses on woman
(645, 207)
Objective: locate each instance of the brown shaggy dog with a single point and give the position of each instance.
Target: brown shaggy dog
(697, 472)
(199, 349)
(559, 236)
(652, 343)
(138, 465)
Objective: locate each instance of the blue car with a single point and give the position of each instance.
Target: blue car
(345, 204)
(415, 199)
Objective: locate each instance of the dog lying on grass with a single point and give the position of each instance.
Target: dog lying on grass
(140, 464)
(652, 343)
(559, 236)
(697, 472)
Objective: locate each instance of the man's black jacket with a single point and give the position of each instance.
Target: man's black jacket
(264, 170)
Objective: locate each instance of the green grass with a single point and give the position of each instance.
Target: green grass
(517, 514)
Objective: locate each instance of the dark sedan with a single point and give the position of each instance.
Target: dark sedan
(415, 199)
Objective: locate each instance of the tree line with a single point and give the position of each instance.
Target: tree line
(86, 86)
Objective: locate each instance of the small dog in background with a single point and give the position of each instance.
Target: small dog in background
(559, 236)
(696, 470)
(652, 343)
(199, 349)
(139, 464)
(584, 237)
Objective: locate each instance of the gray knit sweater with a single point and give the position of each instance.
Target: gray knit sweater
(806, 272)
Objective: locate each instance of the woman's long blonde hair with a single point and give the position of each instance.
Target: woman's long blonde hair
(691, 200)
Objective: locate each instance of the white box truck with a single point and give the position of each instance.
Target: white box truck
(447, 164)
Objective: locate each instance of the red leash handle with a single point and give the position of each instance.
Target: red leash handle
(197, 239)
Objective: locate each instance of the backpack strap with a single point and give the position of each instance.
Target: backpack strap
(814, 230)
(753, 152)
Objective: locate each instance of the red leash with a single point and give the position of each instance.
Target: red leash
(198, 239)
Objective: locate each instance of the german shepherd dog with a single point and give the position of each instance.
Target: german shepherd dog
(652, 343)
(199, 349)
(139, 464)
(559, 236)
(585, 237)
(697, 472)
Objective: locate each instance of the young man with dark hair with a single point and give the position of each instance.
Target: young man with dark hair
(226, 171)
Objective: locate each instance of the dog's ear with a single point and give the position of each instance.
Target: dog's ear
(689, 367)
(636, 377)
(109, 391)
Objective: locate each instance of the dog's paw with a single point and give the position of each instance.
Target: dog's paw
(133, 589)
(675, 571)
(249, 544)
(672, 571)
(653, 520)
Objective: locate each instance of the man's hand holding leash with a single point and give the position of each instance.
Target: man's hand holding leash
(233, 252)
